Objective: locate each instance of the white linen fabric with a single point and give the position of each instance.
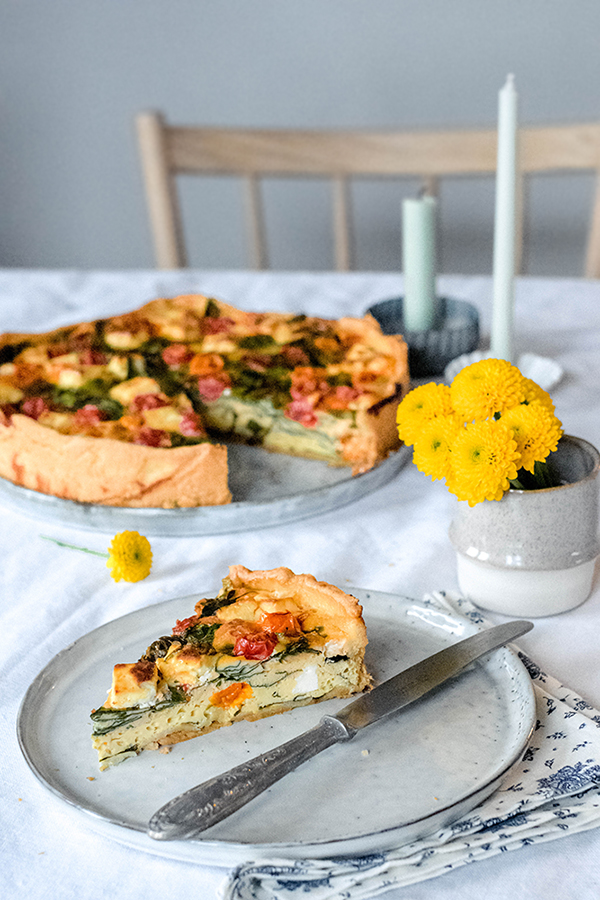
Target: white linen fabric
(394, 539)
(552, 791)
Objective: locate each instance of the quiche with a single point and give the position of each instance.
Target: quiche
(268, 642)
(133, 410)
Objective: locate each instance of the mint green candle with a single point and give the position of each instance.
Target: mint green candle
(419, 262)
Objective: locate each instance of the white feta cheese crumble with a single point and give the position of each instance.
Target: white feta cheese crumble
(307, 681)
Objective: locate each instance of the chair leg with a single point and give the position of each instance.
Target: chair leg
(592, 258)
(342, 224)
(256, 223)
(161, 192)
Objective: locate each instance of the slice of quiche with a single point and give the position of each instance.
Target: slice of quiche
(268, 642)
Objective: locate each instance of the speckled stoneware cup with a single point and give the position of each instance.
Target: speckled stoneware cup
(533, 553)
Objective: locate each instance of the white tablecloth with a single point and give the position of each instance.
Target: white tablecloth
(392, 540)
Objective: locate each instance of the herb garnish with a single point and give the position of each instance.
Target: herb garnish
(299, 646)
(94, 391)
(211, 606)
(256, 341)
(159, 648)
(106, 719)
(212, 310)
(241, 671)
(202, 635)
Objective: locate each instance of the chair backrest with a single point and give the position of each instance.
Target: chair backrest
(252, 154)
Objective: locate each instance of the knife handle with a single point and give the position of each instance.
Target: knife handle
(197, 809)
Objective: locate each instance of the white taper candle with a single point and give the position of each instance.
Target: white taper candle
(502, 338)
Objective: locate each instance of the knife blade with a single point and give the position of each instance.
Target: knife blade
(197, 809)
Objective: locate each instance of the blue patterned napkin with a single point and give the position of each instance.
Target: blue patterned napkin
(553, 790)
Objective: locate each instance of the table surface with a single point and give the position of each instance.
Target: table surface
(393, 540)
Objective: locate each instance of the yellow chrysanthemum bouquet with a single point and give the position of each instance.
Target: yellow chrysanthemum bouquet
(490, 430)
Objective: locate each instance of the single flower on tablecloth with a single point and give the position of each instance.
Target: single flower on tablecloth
(129, 555)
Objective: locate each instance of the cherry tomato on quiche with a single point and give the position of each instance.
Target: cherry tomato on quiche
(182, 625)
(176, 354)
(258, 645)
(34, 407)
(89, 414)
(281, 623)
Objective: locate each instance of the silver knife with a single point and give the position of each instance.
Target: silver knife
(197, 809)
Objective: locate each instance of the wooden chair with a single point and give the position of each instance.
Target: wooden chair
(253, 154)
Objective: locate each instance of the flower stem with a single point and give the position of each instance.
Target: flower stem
(517, 485)
(541, 477)
(544, 474)
(73, 547)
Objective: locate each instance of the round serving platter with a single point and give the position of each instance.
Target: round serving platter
(267, 489)
(404, 777)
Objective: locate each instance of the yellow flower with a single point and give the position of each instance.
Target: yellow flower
(420, 405)
(484, 461)
(485, 388)
(535, 429)
(535, 395)
(129, 556)
(433, 447)
(490, 430)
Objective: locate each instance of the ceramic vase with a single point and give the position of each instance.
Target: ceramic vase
(533, 553)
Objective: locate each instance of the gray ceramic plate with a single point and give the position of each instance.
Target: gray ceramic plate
(267, 489)
(403, 777)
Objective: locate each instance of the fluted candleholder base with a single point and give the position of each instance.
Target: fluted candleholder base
(454, 332)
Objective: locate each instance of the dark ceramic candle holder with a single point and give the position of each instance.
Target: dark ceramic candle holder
(454, 332)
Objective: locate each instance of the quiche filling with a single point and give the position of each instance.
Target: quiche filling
(192, 370)
(269, 641)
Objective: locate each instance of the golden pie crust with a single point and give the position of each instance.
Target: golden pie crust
(110, 472)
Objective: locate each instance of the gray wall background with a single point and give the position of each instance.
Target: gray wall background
(73, 73)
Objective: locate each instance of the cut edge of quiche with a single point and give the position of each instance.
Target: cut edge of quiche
(270, 641)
